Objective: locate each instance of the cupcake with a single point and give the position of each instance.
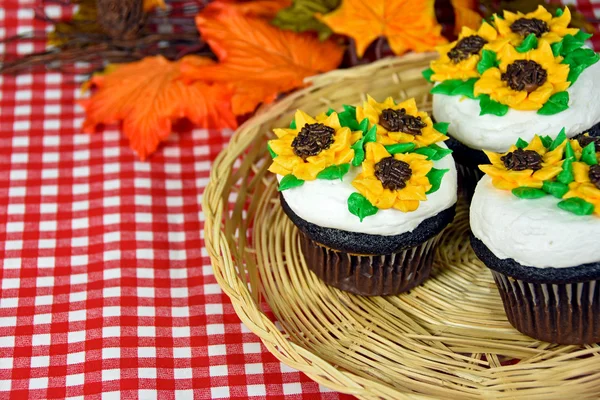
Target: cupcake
(370, 189)
(535, 220)
(516, 75)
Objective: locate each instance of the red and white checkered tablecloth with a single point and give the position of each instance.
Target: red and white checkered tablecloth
(106, 288)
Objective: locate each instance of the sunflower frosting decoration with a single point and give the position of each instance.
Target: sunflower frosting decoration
(399, 123)
(524, 81)
(521, 61)
(391, 149)
(393, 181)
(459, 59)
(311, 148)
(527, 166)
(566, 169)
(515, 27)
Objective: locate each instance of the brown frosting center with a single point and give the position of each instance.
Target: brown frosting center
(398, 121)
(525, 75)
(393, 173)
(312, 139)
(520, 160)
(594, 175)
(526, 26)
(466, 47)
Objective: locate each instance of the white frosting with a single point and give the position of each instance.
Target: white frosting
(325, 203)
(534, 233)
(490, 132)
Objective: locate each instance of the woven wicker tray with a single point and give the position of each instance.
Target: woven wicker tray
(448, 338)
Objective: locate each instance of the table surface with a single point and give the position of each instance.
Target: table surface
(106, 287)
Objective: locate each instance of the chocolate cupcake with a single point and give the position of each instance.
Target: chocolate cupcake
(370, 190)
(535, 220)
(518, 75)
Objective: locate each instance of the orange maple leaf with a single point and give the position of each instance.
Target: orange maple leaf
(257, 60)
(258, 8)
(466, 15)
(152, 4)
(407, 24)
(149, 95)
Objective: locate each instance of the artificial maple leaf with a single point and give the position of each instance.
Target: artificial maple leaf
(152, 4)
(148, 96)
(300, 17)
(257, 8)
(407, 24)
(257, 60)
(466, 15)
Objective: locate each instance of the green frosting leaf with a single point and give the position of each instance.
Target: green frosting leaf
(361, 207)
(521, 144)
(300, 16)
(570, 43)
(556, 189)
(350, 109)
(359, 146)
(441, 127)
(293, 124)
(577, 206)
(559, 12)
(530, 42)
(566, 175)
(465, 89)
(440, 152)
(364, 125)
(528, 193)
(581, 35)
(574, 72)
(556, 103)
(348, 120)
(400, 148)
(455, 87)
(334, 172)
(546, 141)
(359, 152)
(578, 60)
(426, 151)
(488, 60)
(427, 74)
(271, 152)
(556, 48)
(446, 87)
(588, 154)
(489, 106)
(562, 136)
(371, 135)
(433, 152)
(435, 179)
(330, 111)
(289, 181)
(569, 153)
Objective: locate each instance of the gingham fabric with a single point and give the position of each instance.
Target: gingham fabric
(106, 288)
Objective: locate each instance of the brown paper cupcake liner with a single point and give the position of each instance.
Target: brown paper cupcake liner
(567, 313)
(370, 275)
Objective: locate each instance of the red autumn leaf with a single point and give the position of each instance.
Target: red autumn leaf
(257, 60)
(147, 96)
(258, 8)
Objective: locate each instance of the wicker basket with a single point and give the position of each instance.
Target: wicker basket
(448, 338)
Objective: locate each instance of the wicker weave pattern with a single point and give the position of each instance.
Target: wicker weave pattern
(449, 338)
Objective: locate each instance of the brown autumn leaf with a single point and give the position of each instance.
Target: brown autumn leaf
(257, 60)
(148, 96)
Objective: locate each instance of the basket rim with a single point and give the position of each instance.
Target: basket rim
(342, 381)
